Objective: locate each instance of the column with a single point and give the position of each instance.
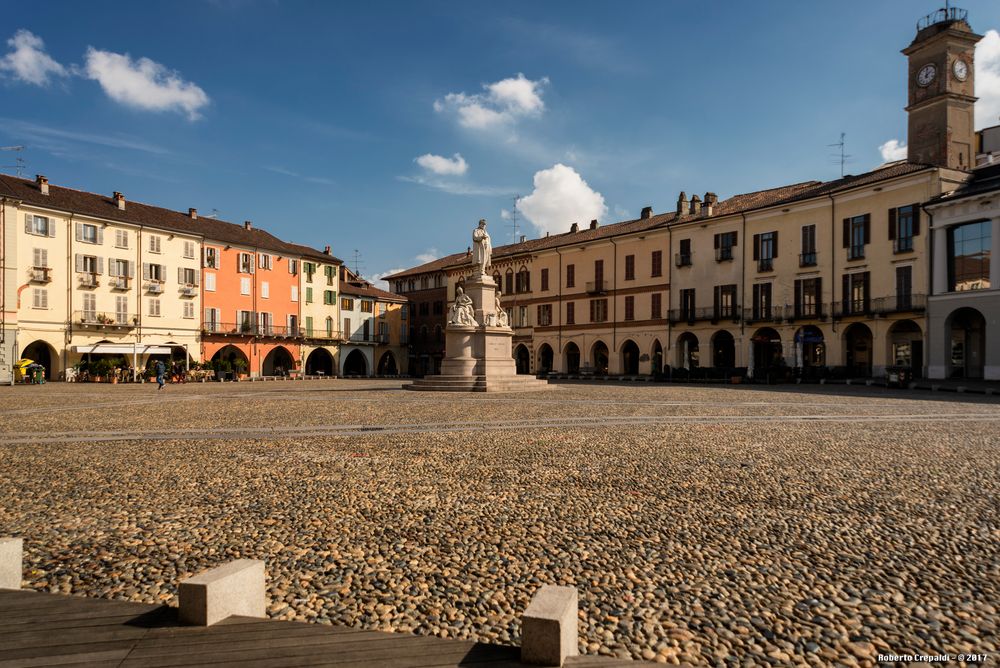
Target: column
(939, 281)
(995, 254)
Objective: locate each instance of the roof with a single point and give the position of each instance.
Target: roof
(137, 213)
(368, 290)
(736, 204)
(984, 179)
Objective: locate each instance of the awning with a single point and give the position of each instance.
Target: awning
(122, 349)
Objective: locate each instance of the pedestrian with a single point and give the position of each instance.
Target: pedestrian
(161, 369)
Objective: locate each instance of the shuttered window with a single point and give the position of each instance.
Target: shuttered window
(210, 282)
(154, 243)
(39, 298)
(656, 306)
(188, 309)
(40, 258)
(570, 275)
(570, 313)
(630, 267)
(657, 264)
(121, 238)
(630, 308)
(40, 226)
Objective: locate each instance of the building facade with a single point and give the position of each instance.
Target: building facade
(319, 290)
(375, 329)
(426, 290)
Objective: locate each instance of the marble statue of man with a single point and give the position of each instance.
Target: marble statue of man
(462, 311)
(501, 319)
(482, 250)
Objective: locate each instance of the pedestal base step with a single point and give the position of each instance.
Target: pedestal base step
(477, 384)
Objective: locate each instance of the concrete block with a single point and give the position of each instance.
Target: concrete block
(11, 560)
(237, 588)
(549, 627)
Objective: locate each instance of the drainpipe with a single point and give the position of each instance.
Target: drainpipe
(833, 267)
(70, 273)
(3, 286)
(560, 308)
(614, 301)
(670, 289)
(138, 304)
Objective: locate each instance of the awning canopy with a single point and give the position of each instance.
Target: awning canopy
(123, 349)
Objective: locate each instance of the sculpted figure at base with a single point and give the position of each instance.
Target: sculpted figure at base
(501, 319)
(482, 249)
(462, 311)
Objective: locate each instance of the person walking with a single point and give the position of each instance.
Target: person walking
(161, 369)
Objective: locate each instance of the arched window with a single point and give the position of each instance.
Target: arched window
(497, 278)
(523, 280)
(508, 287)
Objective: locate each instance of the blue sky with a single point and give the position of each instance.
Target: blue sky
(342, 124)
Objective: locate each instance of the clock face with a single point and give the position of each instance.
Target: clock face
(926, 75)
(960, 69)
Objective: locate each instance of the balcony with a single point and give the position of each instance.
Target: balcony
(851, 307)
(40, 275)
(597, 287)
(106, 321)
(899, 304)
(807, 259)
(766, 314)
(251, 329)
(806, 311)
(765, 264)
(120, 282)
(682, 259)
(88, 280)
(704, 313)
(856, 253)
(724, 254)
(154, 287)
(902, 245)
(320, 335)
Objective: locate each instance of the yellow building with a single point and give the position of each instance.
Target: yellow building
(319, 302)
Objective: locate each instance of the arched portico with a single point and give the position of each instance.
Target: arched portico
(965, 338)
(630, 358)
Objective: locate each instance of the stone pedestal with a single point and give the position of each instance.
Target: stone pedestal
(479, 358)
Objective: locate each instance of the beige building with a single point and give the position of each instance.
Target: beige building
(319, 290)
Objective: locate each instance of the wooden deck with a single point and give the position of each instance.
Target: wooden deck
(38, 629)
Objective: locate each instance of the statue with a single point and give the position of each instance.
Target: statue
(462, 311)
(482, 250)
(501, 315)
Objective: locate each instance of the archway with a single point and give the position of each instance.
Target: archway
(630, 358)
(810, 347)
(966, 340)
(545, 356)
(723, 350)
(657, 357)
(522, 359)
(766, 349)
(572, 355)
(858, 349)
(599, 358)
(41, 353)
(906, 347)
(230, 360)
(387, 364)
(355, 364)
(687, 351)
(319, 363)
(278, 362)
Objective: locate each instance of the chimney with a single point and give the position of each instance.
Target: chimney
(523, 238)
(695, 205)
(247, 225)
(193, 214)
(594, 224)
(575, 227)
(682, 202)
(326, 250)
(43, 184)
(647, 212)
(708, 206)
(120, 200)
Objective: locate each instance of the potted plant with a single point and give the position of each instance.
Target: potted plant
(240, 365)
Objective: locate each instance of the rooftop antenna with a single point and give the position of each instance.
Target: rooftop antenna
(842, 157)
(514, 224)
(215, 214)
(19, 163)
(357, 262)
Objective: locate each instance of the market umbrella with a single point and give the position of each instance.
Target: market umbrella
(23, 363)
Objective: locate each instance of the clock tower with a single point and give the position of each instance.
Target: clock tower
(942, 91)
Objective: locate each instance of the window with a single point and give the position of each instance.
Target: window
(657, 264)
(187, 276)
(656, 306)
(210, 282)
(154, 272)
(599, 274)
(121, 308)
(188, 309)
(295, 293)
(904, 287)
(856, 292)
(189, 251)
(265, 323)
(544, 315)
(346, 304)
(425, 282)
(264, 260)
(154, 307)
(570, 313)
(309, 325)
(598, 310)
(89, 234)
(683, 258)
(630, 308)
(522, 316)
(509, 282)
(969, 247)
(904, 224)
(762, 301)
(329, 297)
(857, 233)
(293, 267)
(438, 308)
(90, 307)
(89, 264)
(117, 267)
(265, 289)
(246, 263)
(807, 258)
(154, 244)
(308, 269)
(765, 249)
(40, 226)
(245, 321)
(347, 328)
(329, 327)
(724, 243)
(630, 267)
(545, 279)
(523, 280)
(808, 293)
(687, 304)
(328, 271)
(121, 238)
(366, 306)
(309, 295)
(39, 298)
(423, 308)
(211, 258)
(244, 286)
(40, 258)
(725, 301)
(570, 276)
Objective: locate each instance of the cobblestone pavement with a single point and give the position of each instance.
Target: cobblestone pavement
(714, 525)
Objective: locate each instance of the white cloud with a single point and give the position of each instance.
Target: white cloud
(429, 255)
(502, 103)
(143, 83)
(892, 150)
(28, 61)
(378, 279)
(456, 165)
(55, 139)
(988, 80)
(561, 197)
(456, 187)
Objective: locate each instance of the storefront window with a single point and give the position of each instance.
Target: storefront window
(969, 256)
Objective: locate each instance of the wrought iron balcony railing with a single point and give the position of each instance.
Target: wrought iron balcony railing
(105, 320)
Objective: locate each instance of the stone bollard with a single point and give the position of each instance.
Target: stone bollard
(549, 627)
(11, 562)
(236, 588)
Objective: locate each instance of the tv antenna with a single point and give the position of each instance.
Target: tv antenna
(215, 214)
(514, 224)
(357, 263)
(19, 163)
(842, 157)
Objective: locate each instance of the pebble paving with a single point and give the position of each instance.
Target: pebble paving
(702, 525)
